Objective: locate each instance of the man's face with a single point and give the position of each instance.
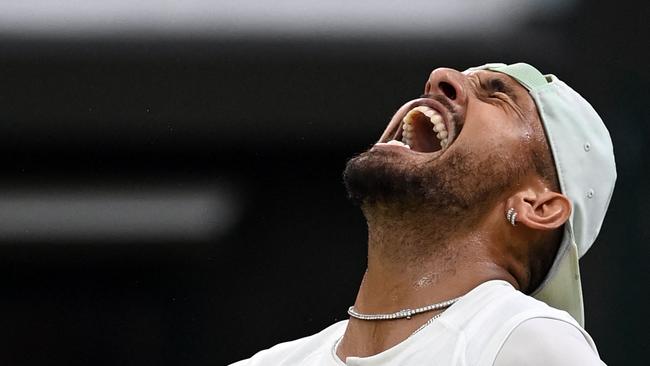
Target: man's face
(469, 139)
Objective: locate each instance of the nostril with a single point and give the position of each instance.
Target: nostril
(448, 90)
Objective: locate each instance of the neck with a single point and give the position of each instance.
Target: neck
(415, 260)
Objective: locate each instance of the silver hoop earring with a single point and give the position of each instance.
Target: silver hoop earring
(511, 216)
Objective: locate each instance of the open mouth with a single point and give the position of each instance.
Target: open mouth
(422, 129)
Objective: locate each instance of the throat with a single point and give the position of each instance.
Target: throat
(408, 258)
(404, 238)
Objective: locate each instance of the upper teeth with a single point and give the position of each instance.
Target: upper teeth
(408, 133)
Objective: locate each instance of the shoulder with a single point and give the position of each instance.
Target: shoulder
(547, 341)
(299, 351)
(496, 306)
(501, 315)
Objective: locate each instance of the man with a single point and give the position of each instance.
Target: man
(479, 196)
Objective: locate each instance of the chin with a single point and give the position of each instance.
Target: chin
(458, 183)
(384, 176)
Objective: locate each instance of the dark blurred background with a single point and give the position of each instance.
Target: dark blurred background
(171, 187)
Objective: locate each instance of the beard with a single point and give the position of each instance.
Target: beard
(456, 184)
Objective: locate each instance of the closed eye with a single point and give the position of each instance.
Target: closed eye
(494, 87)
(498, 86)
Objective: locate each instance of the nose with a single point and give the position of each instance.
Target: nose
(448, 83)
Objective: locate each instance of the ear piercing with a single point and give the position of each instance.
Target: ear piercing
(511, 216)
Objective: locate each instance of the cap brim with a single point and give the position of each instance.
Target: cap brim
(562, 288)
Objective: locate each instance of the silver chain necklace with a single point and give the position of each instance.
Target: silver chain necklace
(401, 314)
(405, 313)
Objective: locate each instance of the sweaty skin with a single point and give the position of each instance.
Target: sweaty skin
(436, 226)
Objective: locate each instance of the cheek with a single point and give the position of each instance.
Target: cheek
(494, 133)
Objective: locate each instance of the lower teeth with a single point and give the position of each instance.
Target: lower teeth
(398, 143)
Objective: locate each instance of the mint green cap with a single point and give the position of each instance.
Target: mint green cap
(584, 160)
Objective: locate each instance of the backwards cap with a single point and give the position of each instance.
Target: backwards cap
(584, 161)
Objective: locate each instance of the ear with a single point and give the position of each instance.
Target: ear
(544, 210)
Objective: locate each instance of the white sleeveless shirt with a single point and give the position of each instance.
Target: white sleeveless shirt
(494, 324)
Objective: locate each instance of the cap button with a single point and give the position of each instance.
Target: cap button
(590, 193)
(587, 146)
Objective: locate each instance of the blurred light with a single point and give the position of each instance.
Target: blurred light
(113, 216)
(292, 18)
